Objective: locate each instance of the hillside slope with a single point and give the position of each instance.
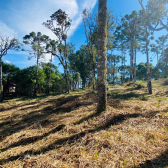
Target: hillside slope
(64, 131)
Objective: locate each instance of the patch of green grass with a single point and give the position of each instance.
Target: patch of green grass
(151, 140)
(141, 82)
(159, 99)
(115, 92)
(96, 156)
(131, 94)
(157, 104)
(108, 134)
(143, 98)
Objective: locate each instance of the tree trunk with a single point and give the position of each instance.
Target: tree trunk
(35, 87)
(149, 84)
(124, 70)
(157, 58)
(131, 62)
(114, 72)
(1, 87)
(49, 84)
(67, 78)
(83, 84)
(89, 80)
(66, 71)
(135, 67)
(94, 76)
(102, 57)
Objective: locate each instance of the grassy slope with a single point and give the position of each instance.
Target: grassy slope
(64, 131)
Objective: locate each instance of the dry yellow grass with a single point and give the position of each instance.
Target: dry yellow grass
(65, 131)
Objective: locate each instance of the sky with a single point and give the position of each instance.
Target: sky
(20, 17)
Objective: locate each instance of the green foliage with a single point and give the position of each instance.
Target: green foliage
(142, 71)
(80, 62)
(36, 41)
(152, 140)
(112, 69)
(25, 79)
(96, 156)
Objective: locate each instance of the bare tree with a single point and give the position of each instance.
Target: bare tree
(102, 57)
(6, 44)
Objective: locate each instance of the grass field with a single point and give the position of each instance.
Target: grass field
(64, 131)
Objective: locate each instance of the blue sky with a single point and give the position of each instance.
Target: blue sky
(20, 17)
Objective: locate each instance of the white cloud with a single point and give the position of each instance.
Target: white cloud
(8, 62)
(7, 31)
(30, 15)
(89, 3)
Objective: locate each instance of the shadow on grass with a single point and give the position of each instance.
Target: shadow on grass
(64, 105)
(159, 162)
(111, 120)
(33, 139)
(127, 96)
(70, 139)
(87, 118)
(2, 109)
(26, 98)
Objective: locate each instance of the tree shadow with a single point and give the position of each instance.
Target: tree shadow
(110, 121)
(70, 139)
(2, 109)
(159, 162)
(87, 118)
(31, 97)
(33, 139)
(28, 98)
(127, 96)
(136, 87)
(10, 127)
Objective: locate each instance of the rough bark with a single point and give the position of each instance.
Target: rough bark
(1, 87)
(102, 70)
(149, 84)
